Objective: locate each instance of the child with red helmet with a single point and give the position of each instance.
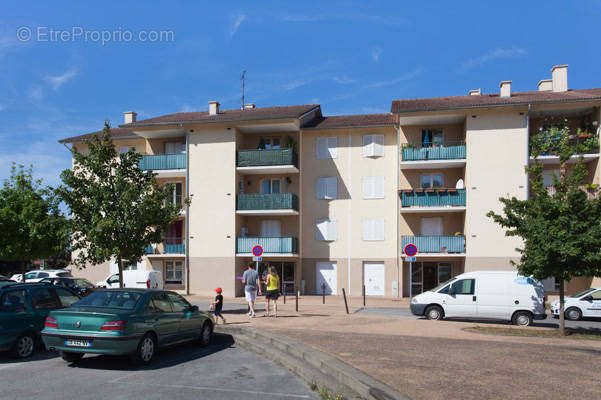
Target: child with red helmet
(217, 305)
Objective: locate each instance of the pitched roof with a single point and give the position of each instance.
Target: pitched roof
(494, 100)
(350, 121)
(115, 133)
(248, 114)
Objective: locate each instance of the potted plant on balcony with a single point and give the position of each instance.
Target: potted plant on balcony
(261, 145)
(290, 143)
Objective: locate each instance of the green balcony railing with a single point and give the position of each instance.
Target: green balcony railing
(279, 201)
(284, 245)
(433, 198)
(436, 244)
(175, 248)
(258, 158)
(434, 153)
(163, 161)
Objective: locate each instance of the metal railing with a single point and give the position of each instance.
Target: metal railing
(436, 244)
(276, 201)
(283, 245)
(175, 248)
(163, 161)
(433, 198)
(448, 151)
(256, 158)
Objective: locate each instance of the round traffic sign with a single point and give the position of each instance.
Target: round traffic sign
(411, 250)
(257, 251)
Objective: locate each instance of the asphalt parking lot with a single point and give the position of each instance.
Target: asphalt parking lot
(219, 371)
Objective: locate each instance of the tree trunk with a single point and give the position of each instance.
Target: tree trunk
(23, 270)
(562, 322)
(120, 266)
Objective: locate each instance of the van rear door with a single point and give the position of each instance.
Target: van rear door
(460, 301)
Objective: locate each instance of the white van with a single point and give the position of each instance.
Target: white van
(501, 295)
(144, 279)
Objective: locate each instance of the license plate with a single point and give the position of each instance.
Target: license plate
(78, 343)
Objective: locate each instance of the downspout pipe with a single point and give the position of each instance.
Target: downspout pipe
(528, 150)
(398, 212)
(187, 246)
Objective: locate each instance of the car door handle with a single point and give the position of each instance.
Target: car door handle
(474, 298)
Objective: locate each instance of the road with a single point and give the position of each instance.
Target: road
(220, 371)
(589, 324)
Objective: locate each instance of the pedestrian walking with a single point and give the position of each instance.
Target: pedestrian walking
(217, 306)
(250, 279)
(273, 290)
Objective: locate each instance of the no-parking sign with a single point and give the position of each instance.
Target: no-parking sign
(257, 251)
(410, 250)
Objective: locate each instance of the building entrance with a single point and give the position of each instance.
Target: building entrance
(285, 271)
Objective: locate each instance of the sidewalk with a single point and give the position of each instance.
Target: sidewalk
(430, 359)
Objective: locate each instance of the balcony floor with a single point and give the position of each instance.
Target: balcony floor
(267, 212)
(554, 160)
(269, 255)
(437, 255)
(432, 164)
(409, 210)
(170, 173)
(268, 169)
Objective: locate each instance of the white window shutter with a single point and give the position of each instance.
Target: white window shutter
(321, 231)
(367, 140)
(378, 191)
(332, 230)
(320, 188)
(378, 145)
(332, 147)
(373, 229)
(331, 188)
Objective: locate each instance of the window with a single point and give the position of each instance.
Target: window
(270, 186)
(111, 299)
(160, 303)
(44, 299)
(13, 301)
(444, 272)
(327, 230)
(432, 181)
(373, 229)
(272, 143)
(176, 193)
(326, 188)
(432, 137)
(463, 286)
(271, 228)
(431, 226)
(177, 302)
(66, 297)
(327, 147)
(373, 146)
(548, 176)
(373, 187)
(125, 149)
(113, 279)
(596, 295)
(174, 272)
(31, 275)
(175, 147)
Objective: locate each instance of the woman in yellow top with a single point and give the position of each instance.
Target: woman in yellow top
(273, 290)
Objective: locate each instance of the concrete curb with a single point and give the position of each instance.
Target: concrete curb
(313, 366)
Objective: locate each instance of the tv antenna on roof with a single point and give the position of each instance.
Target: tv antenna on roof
(243, 78)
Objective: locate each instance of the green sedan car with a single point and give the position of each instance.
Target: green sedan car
(135, 322)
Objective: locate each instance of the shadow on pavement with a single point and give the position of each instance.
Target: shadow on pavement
(39, 355)
(165, 358)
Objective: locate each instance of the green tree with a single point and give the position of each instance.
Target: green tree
(31, 221)
(117, 209)
(560, 228)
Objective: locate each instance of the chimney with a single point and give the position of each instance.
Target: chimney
(213, 107)
(249, 106)
(476, 92)
(559, 73)
(129, 117)
(545, 84)
(505, 88)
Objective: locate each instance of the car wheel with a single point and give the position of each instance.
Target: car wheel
(205, 334)
(434, 312)
(24, 346)
(573, 314)
(145, 351)
(522, 318)
(71, 357)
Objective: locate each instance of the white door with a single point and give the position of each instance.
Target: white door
(326, 273)
(271, 228)
(431, 226)
(373, 278)
(460, 300)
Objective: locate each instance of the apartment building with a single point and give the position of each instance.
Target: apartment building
(333, 200)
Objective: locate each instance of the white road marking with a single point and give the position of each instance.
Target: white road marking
(219, 389)
(122, 377)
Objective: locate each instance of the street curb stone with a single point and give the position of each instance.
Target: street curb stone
(313, 366)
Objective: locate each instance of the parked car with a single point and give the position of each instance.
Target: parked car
(584, 304)
(23, 309)
(83, 287)
(38, 275)
(133, 322)
(5, 279)
(134, 278)
(500, 295)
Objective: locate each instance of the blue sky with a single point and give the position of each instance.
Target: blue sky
(351, 57)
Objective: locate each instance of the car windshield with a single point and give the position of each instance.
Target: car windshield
(587, 291)
(437, 288)
(83, 283)
(110, 299)
(64, 274)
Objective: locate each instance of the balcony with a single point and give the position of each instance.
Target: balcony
(267, 204)
(166, 250)
(444, 156)
(267, 161)
(438, 245)
(433, 200)
(166, 165)
(286, 246)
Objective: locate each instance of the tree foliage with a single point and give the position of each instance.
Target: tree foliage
(32, 225)
(560, 227)
(117, 209)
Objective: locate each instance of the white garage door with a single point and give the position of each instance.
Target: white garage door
(373, 278)
(326, 272)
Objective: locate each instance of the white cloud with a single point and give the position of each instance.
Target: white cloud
(375, 54)
(237, 22)
(294, 84)
(393, 81)
(35, 93)
(59, 80)
(344, 80)
(2, 107)
(495, 54)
